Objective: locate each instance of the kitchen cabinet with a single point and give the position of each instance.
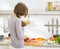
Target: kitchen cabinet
(5, 45)
(29, 47)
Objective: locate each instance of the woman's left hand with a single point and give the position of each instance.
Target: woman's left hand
(23, 24)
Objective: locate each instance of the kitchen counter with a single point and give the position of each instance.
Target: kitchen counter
(5, 45)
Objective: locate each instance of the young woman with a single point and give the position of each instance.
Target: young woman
(16, 26)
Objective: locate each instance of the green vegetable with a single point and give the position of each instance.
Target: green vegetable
(58, 39)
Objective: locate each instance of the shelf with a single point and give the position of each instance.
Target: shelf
(6, 12)
(10, 12)
(44, 13)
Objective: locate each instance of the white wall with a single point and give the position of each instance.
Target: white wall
(37, 28)
(32, 4)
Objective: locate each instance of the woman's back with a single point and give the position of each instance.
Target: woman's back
(12, 23)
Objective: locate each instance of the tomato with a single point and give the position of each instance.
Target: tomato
(52, 39)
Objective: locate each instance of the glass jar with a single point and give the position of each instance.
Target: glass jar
(50, 6)
(57, 6)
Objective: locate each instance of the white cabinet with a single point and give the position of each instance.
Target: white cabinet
(41, 47)
(4, 47)
(4, 44)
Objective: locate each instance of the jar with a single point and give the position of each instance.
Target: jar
(57, 5)
(50, 6)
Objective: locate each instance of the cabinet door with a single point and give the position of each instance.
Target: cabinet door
(4, 47)
(29, 47)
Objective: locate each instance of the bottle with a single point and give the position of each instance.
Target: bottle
(50, 6)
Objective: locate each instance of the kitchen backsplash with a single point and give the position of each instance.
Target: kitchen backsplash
(4, 24)
(38, 26)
